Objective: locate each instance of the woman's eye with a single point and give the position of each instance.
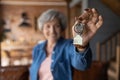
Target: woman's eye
(47, 26)
(58, 26)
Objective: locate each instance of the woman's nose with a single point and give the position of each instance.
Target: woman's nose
(52, 29)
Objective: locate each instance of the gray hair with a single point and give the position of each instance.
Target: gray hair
(50, 15)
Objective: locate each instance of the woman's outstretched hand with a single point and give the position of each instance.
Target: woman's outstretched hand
(92, 21)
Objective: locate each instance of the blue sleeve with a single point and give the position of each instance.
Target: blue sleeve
(80, 60)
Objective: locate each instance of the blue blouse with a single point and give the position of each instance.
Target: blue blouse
(64, 58)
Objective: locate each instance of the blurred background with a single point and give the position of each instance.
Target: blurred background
(19, 34)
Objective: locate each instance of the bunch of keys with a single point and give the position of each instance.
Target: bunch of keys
(79, 29)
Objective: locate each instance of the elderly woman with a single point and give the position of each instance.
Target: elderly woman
(54, 58)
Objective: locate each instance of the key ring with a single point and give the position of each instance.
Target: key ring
(79, 28)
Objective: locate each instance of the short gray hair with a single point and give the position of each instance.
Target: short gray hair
(50, 15)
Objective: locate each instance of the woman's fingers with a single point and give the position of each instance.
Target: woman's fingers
(91, 19)
(96, 21)
(95, 15)
(100, 22)
(85, 15)
(95, 26)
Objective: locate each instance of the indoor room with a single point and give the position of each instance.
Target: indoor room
(91, 51)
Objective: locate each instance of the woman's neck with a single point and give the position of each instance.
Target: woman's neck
(49, 47)
(51, 44)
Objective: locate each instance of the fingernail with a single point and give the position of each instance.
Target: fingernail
(87, 9)
(94, 9)
(80, 18)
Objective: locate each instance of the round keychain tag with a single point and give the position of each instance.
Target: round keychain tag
(79, 28)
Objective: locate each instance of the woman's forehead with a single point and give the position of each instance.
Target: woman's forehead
(55, 20)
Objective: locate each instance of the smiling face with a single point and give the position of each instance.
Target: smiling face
(52, 30)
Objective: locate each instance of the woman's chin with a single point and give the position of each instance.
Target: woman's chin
(53, 39)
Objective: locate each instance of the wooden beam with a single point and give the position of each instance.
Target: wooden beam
(0, 54)
(114, 5)
(33, 3)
